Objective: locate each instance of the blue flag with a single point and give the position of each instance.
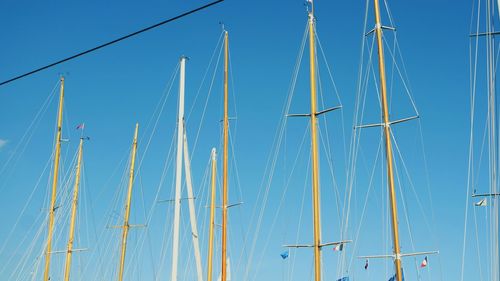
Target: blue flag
(393, 278)
(284, 255)
(343, 279)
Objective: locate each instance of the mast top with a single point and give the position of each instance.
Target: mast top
(223, 26)
(310, 8)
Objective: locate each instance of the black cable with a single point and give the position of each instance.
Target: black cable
(111, 42)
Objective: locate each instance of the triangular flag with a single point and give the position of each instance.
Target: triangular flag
(366, 264)
(393, 278)
(284, 255)
(424, 262)
(338, 247)
(80, 126)
(482, 203)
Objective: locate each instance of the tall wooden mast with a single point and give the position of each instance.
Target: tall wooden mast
(55, 174)
(314, 147)
(74, 206)
(225, 160)
(388, 144)
(126, 225)
(212, 216)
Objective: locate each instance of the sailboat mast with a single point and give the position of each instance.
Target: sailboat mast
(388, 144)
(178, 175)
(314, 147)
(493, 142)
(55, 174)
(192, 211)
(225, 160)
(74, 206)
(212, 216)
(126, 225)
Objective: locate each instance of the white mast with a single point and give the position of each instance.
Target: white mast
(192, 212)
(182, 147)
(178, 174)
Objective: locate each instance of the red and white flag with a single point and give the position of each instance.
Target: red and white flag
(424, 263)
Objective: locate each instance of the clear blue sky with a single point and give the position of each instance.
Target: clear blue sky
(115, 87)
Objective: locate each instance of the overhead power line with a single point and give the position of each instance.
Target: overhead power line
(111, 42)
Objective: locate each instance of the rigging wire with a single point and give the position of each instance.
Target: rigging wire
(21, 215)
(369, 186)
(407, 89)
(272, 160)
(216, 65)
(477, 244)
(240, 199)
(363, 79)
(114, 218)
(89, 211)
(308, 170)
(330, 74)
(26, 137)
(470, 173)
(326, 143)
(280, 204)
(403, 199)
(205, 75)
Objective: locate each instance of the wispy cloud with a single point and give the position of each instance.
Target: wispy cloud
(3, 143)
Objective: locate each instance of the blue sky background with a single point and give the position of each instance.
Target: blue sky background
(115, 87)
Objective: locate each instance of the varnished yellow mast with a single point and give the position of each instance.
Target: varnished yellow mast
(126, 225)
(74, 205)
(388, 144)
(225, 161)
(212, 216)
(55, 174)
(314, 147)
